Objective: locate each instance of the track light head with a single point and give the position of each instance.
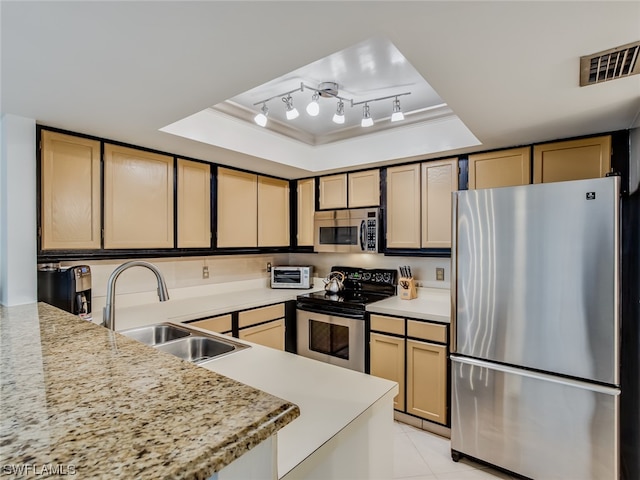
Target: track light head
(367, 121)
(338, 117)
(261, 118)
(292, 112)
(313, 108)
(397, 114)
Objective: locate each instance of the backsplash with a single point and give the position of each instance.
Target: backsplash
(423, 268)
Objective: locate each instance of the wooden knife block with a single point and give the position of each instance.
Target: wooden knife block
(407, 288)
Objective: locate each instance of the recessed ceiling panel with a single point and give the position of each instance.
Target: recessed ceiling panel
(373, 69)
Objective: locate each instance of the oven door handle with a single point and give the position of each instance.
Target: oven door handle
(330, 313)
(363, 234)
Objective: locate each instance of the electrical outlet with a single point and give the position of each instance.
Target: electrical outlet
(205, 272)
(268, 267)
(440, 274)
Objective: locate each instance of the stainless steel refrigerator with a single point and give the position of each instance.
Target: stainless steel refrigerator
(536, 351)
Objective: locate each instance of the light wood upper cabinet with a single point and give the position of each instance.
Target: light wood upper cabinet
(237, 207)
(138, 198)
(439, 179)
(194, 204)
(572, 160)
(387, 361)
(306, 209)
(427, 381)
(333, 191)
(504, 168)
(70, 192)
(364, 189)
(403, 206)
(273, 212)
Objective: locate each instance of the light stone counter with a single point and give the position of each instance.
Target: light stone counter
(78, 397)
(432, 304)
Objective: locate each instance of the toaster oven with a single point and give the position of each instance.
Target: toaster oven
(292, 277)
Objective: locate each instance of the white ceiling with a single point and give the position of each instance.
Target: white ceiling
(125, 70)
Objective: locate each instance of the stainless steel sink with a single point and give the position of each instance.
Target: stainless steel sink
(197, 349)
(190, 345)
(157, 333)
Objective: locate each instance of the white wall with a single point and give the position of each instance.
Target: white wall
(18, 231)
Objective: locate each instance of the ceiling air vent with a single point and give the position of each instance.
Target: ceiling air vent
(611, 64)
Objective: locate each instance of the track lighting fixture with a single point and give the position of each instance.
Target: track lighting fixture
(313, 108)
(261, 118)
(338, 117)
(397, 114)
(328, 90)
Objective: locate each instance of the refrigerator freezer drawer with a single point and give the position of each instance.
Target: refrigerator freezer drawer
(537, 425)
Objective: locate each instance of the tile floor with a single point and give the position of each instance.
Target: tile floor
(421, 455)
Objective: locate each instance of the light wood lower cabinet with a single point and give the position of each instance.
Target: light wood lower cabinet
(427, 380)
(70, 192)
(414, 354)
(264, 325)
(387, 361)
(220, 324)
(270, 334)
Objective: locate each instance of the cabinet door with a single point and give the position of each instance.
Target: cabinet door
(70, 192)
(427, 381)
(387, 361)
(237, 206)
(439, 179)
(220, 324)
(306, 209)
(505, 168)
(138, 198)
(572, 160)
(194, 204)
(364, 189)
(333, 191)
(269, 334)
(403, 206)
(273, 212)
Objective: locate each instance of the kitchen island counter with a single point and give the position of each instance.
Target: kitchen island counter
(77, 396)
(432, 304)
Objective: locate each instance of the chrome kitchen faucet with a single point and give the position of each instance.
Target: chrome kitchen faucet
(109, 316)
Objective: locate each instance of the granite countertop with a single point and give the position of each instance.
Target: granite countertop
(77, 395)
(432, 304)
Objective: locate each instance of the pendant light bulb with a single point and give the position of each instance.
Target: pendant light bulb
(292, 112)
(397, 114)
(367, 121)
(338, 117)
(261, 118)
(313, 108)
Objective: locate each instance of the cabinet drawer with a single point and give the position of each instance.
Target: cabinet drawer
(393, 325)
(221, 324)
(257, 315)
(427, 331)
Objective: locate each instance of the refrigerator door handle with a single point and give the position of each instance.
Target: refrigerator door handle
(593, 387)
(454, 271)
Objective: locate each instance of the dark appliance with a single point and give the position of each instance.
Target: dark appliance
(331, 326)
(68, 288)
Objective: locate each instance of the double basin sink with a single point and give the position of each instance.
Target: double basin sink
(179, 340)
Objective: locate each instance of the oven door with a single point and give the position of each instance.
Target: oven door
(331, 339)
